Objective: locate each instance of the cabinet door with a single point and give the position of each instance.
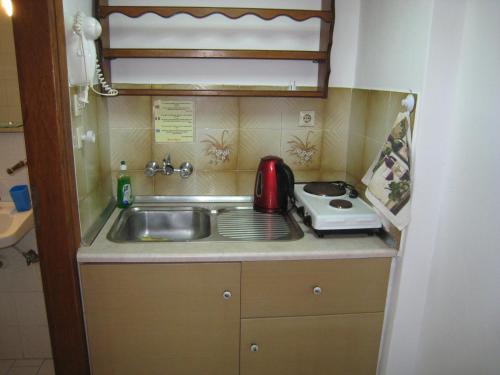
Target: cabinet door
(320, 345)
(320, 287)
(169, 319)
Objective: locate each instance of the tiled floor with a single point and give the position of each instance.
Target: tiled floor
(26, 367)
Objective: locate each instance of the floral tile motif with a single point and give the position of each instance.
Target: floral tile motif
(217, 149)
(303, 148)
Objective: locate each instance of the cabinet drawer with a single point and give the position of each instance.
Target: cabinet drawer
(320, 345)
(298, 288)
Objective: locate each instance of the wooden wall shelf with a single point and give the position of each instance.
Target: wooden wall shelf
(201, 12)
(221, 92)
(113, 53)
(321, 56)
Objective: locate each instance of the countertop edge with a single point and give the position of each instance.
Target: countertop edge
(233, 257)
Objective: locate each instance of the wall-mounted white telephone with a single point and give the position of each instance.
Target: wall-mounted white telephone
(83, 66)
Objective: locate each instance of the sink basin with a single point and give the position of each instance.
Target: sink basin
(13, 225)
(142, 224)
(175, 224)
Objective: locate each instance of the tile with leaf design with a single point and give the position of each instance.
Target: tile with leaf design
(301, 148)
(217, 149)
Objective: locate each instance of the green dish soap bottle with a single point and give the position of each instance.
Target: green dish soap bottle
(124, 194)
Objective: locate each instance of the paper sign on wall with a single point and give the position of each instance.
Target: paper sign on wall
(173, 121)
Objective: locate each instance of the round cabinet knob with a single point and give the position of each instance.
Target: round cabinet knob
(227, 294)
(317, 290)
(254, 348)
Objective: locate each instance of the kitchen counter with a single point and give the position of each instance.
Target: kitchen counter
(309, 247)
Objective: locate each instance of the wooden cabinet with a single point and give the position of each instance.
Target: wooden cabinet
(344, 344)
(297, 317)
(296, 288)
(162, 318)
(312, 317)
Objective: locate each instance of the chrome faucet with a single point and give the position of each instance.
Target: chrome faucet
(152, 168)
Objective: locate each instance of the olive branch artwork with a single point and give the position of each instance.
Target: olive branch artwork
(303, 151)
(218, 150)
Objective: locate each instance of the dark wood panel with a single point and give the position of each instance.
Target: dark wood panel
(233, 93)
(325, 44)
(213, 54)
(201, 12)
(41, 64)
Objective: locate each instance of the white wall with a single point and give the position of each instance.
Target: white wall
(246, 33)
(393, 40)
(461, 325)
(444, 312)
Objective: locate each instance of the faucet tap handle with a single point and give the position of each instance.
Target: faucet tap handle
(186, 169)
(167, 168)
(167, 159)
(151, 168)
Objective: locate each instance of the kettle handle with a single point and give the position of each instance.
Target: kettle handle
(291, 183)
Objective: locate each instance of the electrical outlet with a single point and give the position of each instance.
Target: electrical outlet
(306, 118)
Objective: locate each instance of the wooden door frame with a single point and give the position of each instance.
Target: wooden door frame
(43, 82)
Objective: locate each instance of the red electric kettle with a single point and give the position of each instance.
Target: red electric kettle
(273, 185)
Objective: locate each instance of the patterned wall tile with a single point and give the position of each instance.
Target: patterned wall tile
(217, 149)
(261, 113)
(370, 152)
(377, 120)
(338, 109)
(303, 176)
(245, 183)
(179, 153)
(301, 148)
(355, 156)
(131, 145)
(175, 185)
(255, 144)
(141, 184)
(359, 105)
(217, 113)
(293, 107)
(334, 155)
(130, 112)
(333, 176)
(216, 183)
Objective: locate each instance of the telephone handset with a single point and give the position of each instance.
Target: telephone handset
(83, 64)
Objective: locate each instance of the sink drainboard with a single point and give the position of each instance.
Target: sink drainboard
(250, 225)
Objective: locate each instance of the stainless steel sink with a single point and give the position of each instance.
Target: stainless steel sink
(176, 224)
(142, 224)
